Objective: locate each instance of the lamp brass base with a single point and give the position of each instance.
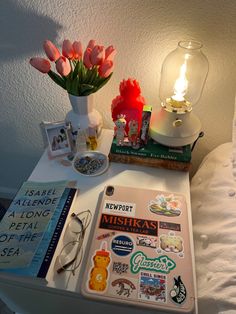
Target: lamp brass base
(174, 129)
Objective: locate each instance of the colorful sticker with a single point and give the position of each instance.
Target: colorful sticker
(99, 273)
(169, 206)
(161, 264)
(123, 287)
(146, 241)
(119, 208)
(179, 293)
(120, 268)
(169, 226)
(105, 235)
(152, 287)
(122, 245)
(129, 224)
(171, 243)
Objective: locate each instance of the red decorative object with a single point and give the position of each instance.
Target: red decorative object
(129, 104)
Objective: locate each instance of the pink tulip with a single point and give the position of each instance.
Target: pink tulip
(40, 64)
(91, 44)
(97, 55)
(78, 51)
(86, 60)
(110, 53)
(67, 49)
(51, 50)
(105, 68)
(63, 66)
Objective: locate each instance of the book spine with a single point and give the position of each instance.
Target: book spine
(145, 154)
(56, 235)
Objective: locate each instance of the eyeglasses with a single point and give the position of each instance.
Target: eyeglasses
(71, 254)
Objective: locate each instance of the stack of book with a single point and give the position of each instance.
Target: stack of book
(31, 227)
(153, 155)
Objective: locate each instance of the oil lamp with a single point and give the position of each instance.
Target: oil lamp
(183, 76)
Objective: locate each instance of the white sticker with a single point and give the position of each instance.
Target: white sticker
(116, 207)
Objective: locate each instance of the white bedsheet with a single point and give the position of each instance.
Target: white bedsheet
(213, 195)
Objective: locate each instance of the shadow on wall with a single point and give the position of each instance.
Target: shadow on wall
(23, 31)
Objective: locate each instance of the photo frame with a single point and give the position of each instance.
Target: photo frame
(57, 138)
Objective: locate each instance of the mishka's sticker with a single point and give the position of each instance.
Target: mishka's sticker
(178, 294)
(161, 264)
(152, 287)
(120, 268)
(116, 207)
(146, 241)
(123, 287)
(129, 224)
(122, 245)
(169, 206)
(169, 225)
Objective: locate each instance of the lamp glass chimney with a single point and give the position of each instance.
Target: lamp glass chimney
(183, 76)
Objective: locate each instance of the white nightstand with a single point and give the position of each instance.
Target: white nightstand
(61, 294)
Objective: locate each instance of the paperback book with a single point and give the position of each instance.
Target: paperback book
(30, 250)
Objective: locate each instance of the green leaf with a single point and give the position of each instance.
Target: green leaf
(57, 79)
(76, 69)
(86, 89)
(103, 82)
(82, 73)
(93, 76)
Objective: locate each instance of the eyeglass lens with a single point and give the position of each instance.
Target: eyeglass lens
(71, 254)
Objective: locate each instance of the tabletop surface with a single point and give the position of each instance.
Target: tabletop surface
(90, 189)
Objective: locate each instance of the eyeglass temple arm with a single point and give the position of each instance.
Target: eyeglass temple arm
(61, 269)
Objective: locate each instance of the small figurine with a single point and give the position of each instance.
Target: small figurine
(92, 137)
(120, 130)
(133, 132)
(145, 125)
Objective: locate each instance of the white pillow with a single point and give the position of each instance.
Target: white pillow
(213, 197)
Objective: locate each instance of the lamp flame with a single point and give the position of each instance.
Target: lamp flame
(181, 84)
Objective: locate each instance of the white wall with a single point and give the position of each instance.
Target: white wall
(143, 31)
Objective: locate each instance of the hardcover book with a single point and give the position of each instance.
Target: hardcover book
(154, 150)
(41, 252)
(153, 155)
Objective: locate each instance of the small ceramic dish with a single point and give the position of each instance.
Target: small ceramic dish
(90, 163)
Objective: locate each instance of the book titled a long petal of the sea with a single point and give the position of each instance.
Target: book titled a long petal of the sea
(25, 222)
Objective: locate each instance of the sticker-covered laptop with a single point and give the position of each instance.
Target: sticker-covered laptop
(140, 252)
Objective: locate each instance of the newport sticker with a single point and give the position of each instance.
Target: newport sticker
(169, 206)
(178, 294)
(152, 287)
(119, 208)
(122, 245)
(162, 264)
(129, 224)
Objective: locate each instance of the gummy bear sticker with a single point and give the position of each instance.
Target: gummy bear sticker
(99, 272)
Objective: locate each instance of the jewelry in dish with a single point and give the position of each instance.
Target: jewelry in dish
(90, 163)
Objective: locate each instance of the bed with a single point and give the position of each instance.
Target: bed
(213, 195)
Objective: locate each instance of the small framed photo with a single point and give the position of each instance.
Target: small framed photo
(57, 137)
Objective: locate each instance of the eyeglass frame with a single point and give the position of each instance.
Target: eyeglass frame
(80, 241)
